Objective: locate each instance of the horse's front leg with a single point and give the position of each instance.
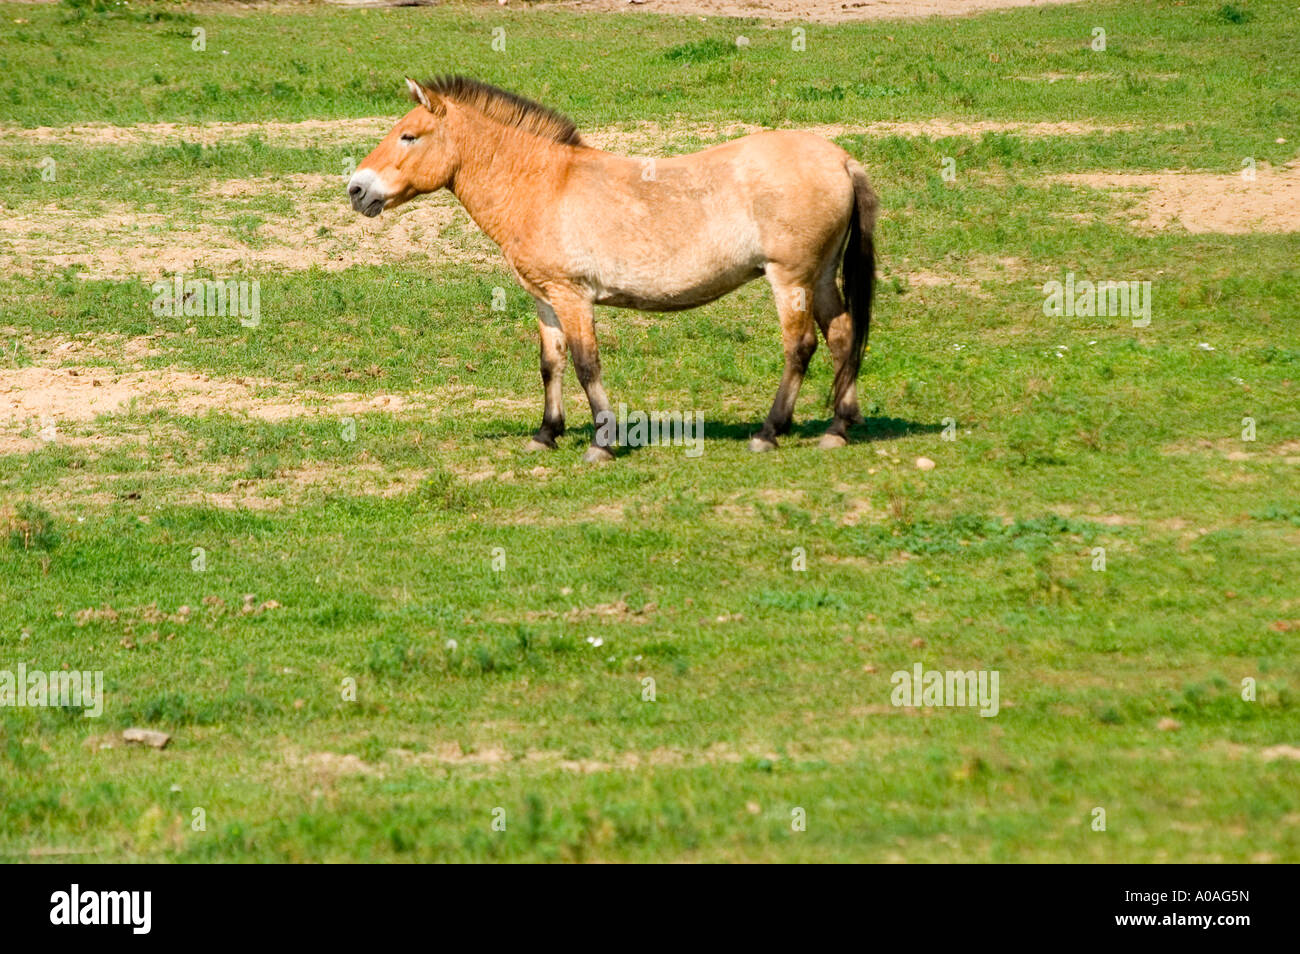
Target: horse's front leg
(577, 318)
(554, 360)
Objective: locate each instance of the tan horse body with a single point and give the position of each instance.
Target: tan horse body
(582, 227)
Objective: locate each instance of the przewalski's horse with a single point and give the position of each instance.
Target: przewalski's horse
(581, 227)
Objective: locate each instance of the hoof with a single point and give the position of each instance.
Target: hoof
(760, 445)
(831, 441)
(598, 455)
(535, 445)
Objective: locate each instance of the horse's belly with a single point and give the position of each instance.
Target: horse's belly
(666, 275)
(653, 286)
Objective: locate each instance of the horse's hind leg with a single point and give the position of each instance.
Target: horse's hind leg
(837, 327)
(794, 304)
(554, 360)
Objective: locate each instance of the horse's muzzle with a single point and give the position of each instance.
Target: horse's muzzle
(366, 193)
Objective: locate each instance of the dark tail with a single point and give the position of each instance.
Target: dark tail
(857, 277)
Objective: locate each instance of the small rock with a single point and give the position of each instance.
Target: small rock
(150, 737)
(924, 463)
(1169, 725)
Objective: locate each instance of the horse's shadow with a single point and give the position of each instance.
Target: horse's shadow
(870, 430)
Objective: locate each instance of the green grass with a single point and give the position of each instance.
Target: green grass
(522, 688)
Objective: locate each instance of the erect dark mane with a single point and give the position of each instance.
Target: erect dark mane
(506, 107)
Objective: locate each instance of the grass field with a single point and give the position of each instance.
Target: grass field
(314, 553)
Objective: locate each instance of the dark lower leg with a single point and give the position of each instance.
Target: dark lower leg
(781, 416)
(838, 332)
(587, 365)
(553, 364)
(553, 415)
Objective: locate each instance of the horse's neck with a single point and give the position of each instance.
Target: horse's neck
(503, 177)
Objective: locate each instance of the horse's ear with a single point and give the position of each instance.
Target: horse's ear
(429, 100)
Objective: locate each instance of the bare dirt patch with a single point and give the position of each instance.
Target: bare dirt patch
(1056, 77)
(1206, 202)
(294, 485)
(321, 231)
(616, 612)
(817, 11)
(451, 754)
(617, 137)
(226, 487)
(327, 767)
(305, 133)
(654, 137)
(70, 384)
(82, 393)
(968, 275)
(53, 350)
(1230, 449)
(89, 407)
(42, 406)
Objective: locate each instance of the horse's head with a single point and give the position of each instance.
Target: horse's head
(415, 157)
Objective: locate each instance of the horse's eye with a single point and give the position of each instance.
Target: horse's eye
(407, 137)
